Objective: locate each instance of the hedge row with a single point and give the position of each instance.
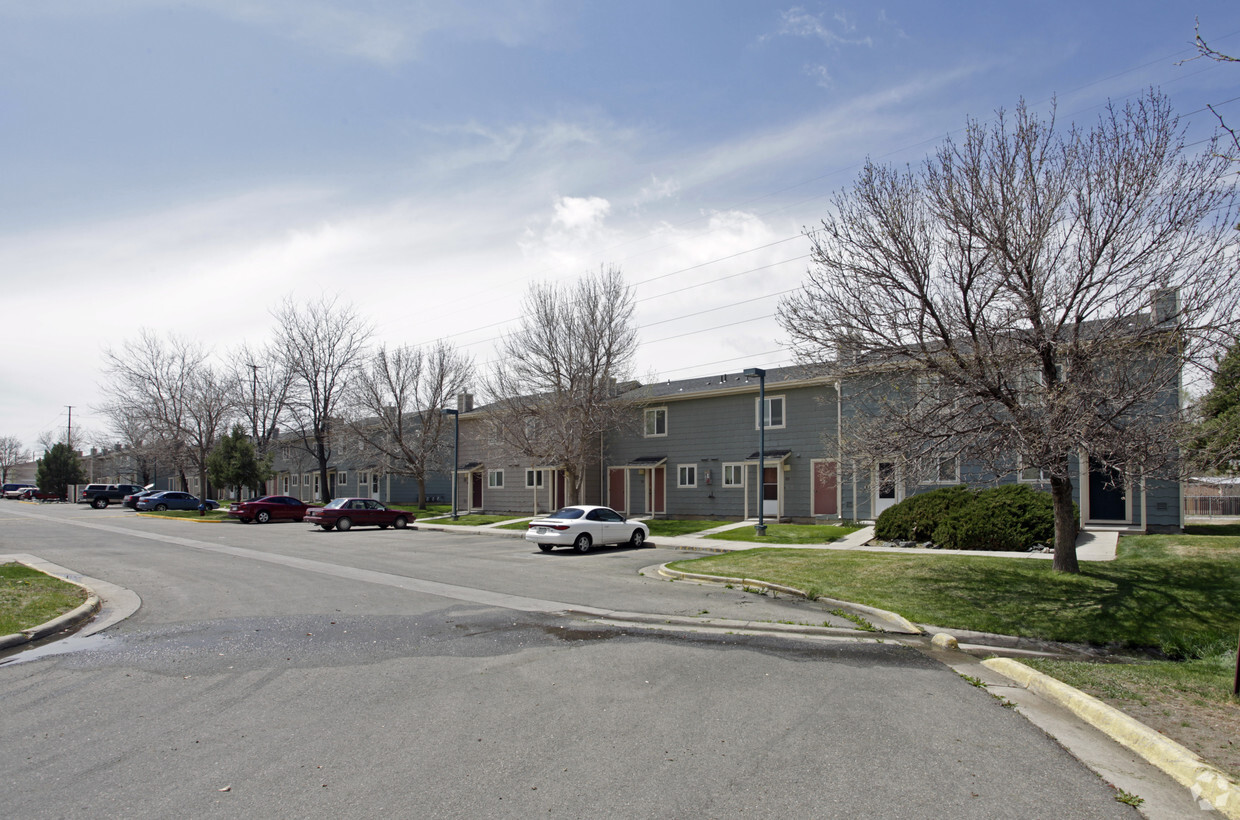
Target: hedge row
(1011, 517)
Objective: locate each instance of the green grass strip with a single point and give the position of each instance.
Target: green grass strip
(29, 598)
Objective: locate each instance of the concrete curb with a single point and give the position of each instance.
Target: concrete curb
(883, 619)
(73, 617)
(1207, 784)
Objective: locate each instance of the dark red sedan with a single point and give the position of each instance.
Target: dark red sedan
(35, 494)
(345, 513)
(268, 508)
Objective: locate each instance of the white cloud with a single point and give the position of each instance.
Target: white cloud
(797, 22)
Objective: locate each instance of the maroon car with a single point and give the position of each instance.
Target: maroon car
(268, 508)
(345, 513)
(35, 494)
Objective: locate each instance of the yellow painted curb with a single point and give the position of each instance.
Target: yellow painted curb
(1206, 783)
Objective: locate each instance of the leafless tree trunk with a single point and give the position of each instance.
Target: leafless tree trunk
(998, 298)
(11, 454)
(400, 395)
(322, 344)
(555, 386)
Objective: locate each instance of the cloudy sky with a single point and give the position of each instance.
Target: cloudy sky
(184, 165)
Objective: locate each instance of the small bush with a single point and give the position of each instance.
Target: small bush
(916, 517)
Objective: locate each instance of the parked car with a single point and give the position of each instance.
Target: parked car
(100, 495)
(345, 513)
(172, 500)
(131, 501)
(268, 508)
(581, 527)
(15, 490)
(35, 494)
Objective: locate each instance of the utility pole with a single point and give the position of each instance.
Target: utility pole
(254, 398)
(69, 434)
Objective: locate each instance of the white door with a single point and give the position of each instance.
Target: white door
(886, 486)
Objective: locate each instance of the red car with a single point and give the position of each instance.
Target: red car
(268, 508)
(35, 494)
(344, 513)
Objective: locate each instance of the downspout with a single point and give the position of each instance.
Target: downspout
(839, 451)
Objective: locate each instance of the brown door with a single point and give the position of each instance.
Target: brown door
(825, 488)
(615, 489)
(656, 503)
(475, 480)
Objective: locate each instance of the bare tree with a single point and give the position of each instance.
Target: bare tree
(322, 344)
(12, 453)
(263, 383)
(400, 393)
(170, 386)
(1204, 50)
(554, 387)
(998, 297)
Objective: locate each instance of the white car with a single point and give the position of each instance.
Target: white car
(582, 527)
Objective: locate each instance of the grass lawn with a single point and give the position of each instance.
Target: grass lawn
(519, 524)
(212, 515)
(475, 520)
(788, 533)
(431, 509)
(29, 598)
(1173, 593)
(673, 526)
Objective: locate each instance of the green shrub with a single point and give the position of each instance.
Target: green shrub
(916, 517)
(1010, 517)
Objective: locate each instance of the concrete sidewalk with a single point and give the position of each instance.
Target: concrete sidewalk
(1090, 546)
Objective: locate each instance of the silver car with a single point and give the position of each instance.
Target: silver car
(581, 527)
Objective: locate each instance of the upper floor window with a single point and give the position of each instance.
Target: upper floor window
(772, 412)
(686, 475)
(656, 422)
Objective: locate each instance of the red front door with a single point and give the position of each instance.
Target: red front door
(615, 489)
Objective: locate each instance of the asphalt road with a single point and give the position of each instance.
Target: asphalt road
(280, 671)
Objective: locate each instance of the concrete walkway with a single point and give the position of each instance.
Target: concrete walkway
(1090, 546)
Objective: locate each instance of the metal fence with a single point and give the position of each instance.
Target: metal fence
(1212, 505)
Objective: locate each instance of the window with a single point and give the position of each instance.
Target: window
(946, 470)
(533, 479)
(686, 475)
(1033, 475)
(295, 479)
(342, 478)
(374, 483)
(495, 478)
(656, 422)
(284, 484)
(363, 480)
(734, 475)
(772, 412)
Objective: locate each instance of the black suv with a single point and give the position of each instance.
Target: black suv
(100, 495)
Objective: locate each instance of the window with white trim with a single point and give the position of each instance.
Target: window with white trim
(1033, 475)
(363, 480)
(686, 475)
(533, 479)
(374, 483)
(734, 475)
(342, 478)
(655, 422)
(284, 484)
(772, 412)
(495, 479)
(946, 470)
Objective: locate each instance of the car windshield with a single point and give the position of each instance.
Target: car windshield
(336, 503)
(567, 512)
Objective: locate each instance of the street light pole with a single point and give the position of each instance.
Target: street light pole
(760, 528)
(456, 451)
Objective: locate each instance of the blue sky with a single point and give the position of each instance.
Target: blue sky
(183, 165)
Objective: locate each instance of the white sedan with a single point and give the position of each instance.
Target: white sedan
(584, 526)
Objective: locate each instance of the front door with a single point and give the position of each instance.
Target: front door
(615, 488)
(654, 490)
(770, 492)
(1107, 499)
(475, 490)
(824, 493)
(886, 486)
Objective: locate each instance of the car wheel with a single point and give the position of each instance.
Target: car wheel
(161, 508)
(401, 522)
(344, 524)
(326, 527)
(263, 517)
(99, 503)
(637, 539)
(583, 542)
(546, 547)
